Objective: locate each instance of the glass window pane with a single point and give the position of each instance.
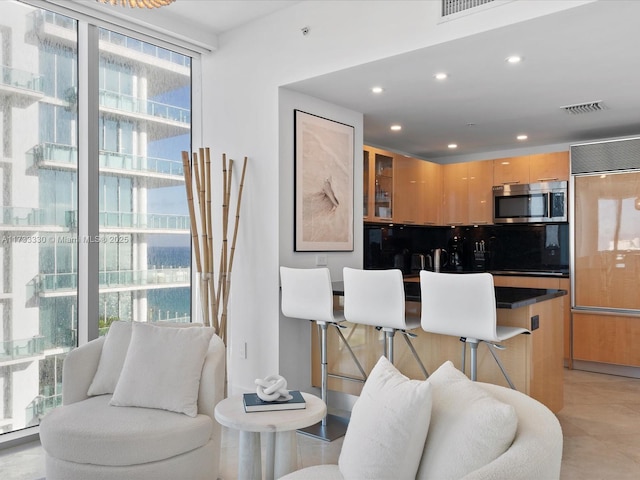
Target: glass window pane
(38, 236)
(144, 224)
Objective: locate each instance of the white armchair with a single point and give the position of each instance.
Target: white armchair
(89, 437)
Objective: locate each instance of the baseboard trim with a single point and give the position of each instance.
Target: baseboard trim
(607, 368)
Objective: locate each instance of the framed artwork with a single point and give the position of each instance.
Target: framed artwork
(324, 152)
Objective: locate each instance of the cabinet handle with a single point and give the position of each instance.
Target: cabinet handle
(511, 183)
(456, 223)
(408, 221)
(481, 222)
(548, 179)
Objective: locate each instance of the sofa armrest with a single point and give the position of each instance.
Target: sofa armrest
(78, 370)
(536, 451)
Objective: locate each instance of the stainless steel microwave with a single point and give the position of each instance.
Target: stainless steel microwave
(530, 203)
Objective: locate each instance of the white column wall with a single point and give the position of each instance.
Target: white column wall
(245, 113)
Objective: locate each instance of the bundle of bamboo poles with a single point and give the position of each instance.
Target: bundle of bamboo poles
(214, 296)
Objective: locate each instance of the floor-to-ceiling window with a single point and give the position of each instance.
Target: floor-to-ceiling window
(144, 122)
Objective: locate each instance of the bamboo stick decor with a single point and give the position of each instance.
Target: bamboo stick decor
(214, 297)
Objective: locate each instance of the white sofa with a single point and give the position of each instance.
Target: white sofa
(87, 438)
(535, 452)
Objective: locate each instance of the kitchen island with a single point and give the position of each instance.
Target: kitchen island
(534, 362)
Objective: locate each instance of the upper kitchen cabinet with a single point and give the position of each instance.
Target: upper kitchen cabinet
(431, 193)
(467, 194)
(545, 167)
(417, 191)
(378, 186)
(407, 207)
(480, 193)
(507, 171)
(549, 167)
(455, 194)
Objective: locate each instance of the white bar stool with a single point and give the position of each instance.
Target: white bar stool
(307, 294)
(464, 305)
(377, 298)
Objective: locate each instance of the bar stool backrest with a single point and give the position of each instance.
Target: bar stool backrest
(374, 297)
(458, 304)
(307, 293)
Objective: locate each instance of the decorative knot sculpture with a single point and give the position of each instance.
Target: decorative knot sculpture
(272, 389)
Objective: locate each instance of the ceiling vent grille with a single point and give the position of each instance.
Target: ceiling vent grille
(451, 7)
(581, 108)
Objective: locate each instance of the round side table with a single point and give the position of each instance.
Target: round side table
(279, 427)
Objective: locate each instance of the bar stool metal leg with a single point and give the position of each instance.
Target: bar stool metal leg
(331, 426)
(474, 359)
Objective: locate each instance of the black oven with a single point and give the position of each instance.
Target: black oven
(530, 203)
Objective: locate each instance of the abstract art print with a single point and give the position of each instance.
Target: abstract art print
(324, 152)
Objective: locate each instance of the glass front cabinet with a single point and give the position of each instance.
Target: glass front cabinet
(378, 185)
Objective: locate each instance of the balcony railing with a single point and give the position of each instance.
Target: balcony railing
(143, 47)
(131, 104)
(113, 38)
(22, 348)
(41, 405)
(153, 221)
(33, 217)
(61, 282)
(68, 155)
(21, 79)
(126, 161)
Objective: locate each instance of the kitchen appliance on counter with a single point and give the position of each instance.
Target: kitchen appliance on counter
(457, 253)
(440, 259)
(530, 203)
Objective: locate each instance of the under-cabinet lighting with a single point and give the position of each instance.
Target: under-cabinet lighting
(396, 128)
(377, 89)
(522, 137)
(452, 145)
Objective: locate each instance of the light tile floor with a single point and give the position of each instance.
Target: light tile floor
(600, 421)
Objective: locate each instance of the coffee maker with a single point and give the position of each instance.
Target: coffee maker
(457, 252)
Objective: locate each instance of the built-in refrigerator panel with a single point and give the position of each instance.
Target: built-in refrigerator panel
(607, 241)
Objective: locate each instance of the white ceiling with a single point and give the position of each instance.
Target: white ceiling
(583, 54)
(587, 53)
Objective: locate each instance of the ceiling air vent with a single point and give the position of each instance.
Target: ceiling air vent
(451, 7)
(580, 108)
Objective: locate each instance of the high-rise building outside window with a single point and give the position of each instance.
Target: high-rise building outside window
(144, 274)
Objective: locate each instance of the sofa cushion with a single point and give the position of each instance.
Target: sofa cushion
(388, 426)
(93, 432)
(469, 428)
(151, 378)
(114, 351)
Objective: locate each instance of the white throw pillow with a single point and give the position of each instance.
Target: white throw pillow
(162, 368)
(388, 427)
(469, 428)
(114, 351)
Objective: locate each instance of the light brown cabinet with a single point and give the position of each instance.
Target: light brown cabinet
(512, 170)
(480, 194)
(549, 167)
(545, 282)
(407, 191)
(431, 193)
(455, 193)
(467, 196)
(544, 167)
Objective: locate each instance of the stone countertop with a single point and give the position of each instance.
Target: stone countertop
(506, 297)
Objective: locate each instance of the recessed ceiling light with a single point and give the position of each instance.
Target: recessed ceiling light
(395, 128)
(522, 137)
(440, 76)
(514, 59)
(377, 89)
(452, 145)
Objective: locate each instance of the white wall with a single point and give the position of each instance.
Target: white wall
(243, 115)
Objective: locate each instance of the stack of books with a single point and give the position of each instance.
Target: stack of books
(253, 403)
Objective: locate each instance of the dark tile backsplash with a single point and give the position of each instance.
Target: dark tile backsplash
(506, 247)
